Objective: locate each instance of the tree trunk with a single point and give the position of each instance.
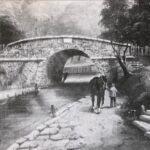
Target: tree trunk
(124, 68)
(121, 61)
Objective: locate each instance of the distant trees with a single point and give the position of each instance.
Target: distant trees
(126, 24)
(9, 31)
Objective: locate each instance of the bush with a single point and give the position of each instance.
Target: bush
(134, 87)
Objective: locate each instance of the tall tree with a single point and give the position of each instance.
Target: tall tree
(114, 18)
(8, 30)
(139, 23)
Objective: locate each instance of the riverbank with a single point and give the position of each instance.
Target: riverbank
(75, 127)
(6, 94)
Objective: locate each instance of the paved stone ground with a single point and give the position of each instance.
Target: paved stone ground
(76, 128)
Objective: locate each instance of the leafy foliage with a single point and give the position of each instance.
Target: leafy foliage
(114, 18)
(139, 23)
(125, 24)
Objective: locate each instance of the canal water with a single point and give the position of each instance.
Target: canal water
(19, 116)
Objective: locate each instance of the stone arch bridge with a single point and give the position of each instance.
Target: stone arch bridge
(41, 60)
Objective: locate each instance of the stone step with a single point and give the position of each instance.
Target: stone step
(144, 126)
(147, 112)
(145, 118)
(137, 64)
(147, 134)
(137, 67)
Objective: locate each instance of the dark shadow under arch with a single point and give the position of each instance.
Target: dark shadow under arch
(57, 62)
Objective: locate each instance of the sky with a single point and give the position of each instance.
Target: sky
(71, 16)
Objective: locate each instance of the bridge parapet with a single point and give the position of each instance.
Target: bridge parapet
(63, 37)
(47, 46)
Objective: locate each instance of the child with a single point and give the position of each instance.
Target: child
(113, 93)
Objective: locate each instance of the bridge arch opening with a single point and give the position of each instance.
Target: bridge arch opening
(57, 62)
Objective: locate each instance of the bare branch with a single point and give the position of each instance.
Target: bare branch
(114, 48)
(126, 48)
(119, 49)
(120, 60)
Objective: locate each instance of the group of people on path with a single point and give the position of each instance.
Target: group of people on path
(98, 85)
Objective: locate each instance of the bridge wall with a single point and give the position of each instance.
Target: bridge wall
(45, 47)
(18, 74)
(22, 74)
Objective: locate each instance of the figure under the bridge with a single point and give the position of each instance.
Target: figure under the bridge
(97, 88)
(64, 76)
(36, 89)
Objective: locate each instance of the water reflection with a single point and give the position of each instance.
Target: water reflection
(18, 105)
(20, 115)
